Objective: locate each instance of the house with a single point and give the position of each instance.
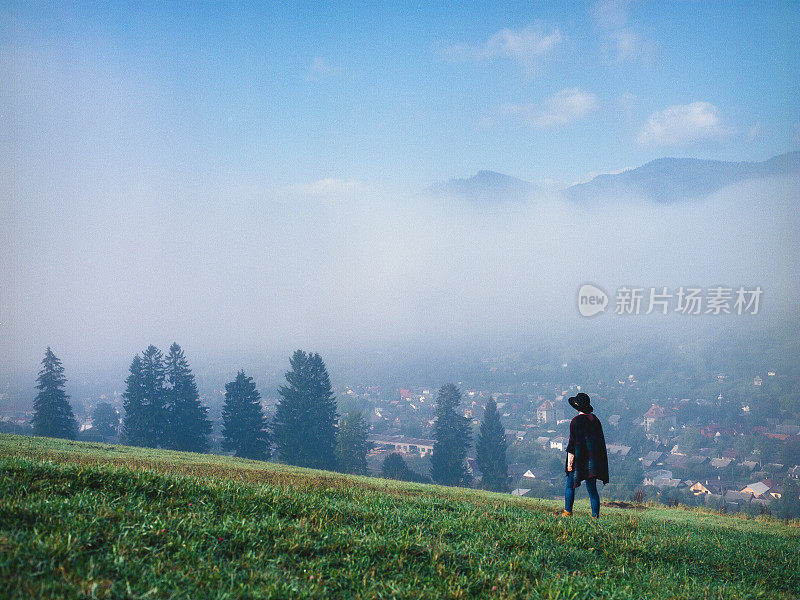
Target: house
(559, 443)
(650, 458)
(546, 413)
(660, 478)
(513, 435)
(697, 460)
(657, 415)
(675, 461)
(403, 445)
(618, 450)
(543, 441)
(676, 449)
(720, 463)
(698, 488)
(652, 476)
(668, 483)
(773, 492)
(756, 489)
(749, 464)
(775, 470)
(737, 497)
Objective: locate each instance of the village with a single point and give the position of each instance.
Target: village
(668, 453)
(717, 453)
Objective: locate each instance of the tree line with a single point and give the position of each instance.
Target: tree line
(163, 410)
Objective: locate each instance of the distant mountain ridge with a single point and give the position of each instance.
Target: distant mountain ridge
(667, 180)
(485, 185)
(664, 180)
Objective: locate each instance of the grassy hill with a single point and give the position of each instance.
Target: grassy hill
(82, 520)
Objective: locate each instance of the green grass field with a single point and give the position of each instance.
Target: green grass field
(82, 520)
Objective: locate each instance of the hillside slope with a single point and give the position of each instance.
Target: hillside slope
(91, 520)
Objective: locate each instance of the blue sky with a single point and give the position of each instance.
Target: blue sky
(400, 95)
(247, 178)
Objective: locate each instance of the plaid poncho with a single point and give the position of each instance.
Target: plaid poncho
(587, 443)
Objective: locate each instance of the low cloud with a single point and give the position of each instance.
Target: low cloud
(328, 186)
(567, 106)
(683, 125)
(525, 46)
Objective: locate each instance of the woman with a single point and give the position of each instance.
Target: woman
(586, 455)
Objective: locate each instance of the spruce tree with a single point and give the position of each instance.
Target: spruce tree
(188, 426)
(52, 416)
(491, 450)
(352, 446)
(155, 401)
(244, 427)
(146, 420)
(452, 436)
(134, 429)
(303, 428)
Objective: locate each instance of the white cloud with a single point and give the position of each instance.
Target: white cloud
(567, 106)
(321, 68)
(685, 124)
(628, 45)
(622, 41)
(525, 46)
(611, 14)
(323, 187)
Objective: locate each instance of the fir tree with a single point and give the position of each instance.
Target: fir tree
(53, 415)
(491, 450)
(155, 401)
(133, 402)
(304, 428)
(452, 436)
(244, 427)
(146, 418)
(188, 426)
(352, 445)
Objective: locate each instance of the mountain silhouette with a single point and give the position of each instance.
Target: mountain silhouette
(668, 180)
(665, 180)
(484, 186)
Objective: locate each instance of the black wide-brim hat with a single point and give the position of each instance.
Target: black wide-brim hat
(581, 403)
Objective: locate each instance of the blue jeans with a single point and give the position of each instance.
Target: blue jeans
(591, 487)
